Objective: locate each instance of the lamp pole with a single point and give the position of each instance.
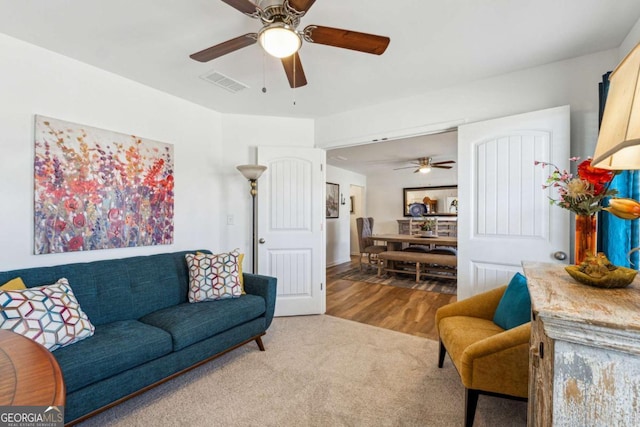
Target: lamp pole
(252, 173)
(254, 193)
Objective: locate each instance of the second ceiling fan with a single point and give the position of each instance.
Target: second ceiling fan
(425, 164)
(280, 38)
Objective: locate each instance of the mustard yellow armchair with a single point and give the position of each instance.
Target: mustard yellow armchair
(489, 359)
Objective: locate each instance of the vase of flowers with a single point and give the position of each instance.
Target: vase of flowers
(581, 194)
(429, 227)
(585, 237)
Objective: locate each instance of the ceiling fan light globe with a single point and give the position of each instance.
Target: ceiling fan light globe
(424, 169)
(279, 40)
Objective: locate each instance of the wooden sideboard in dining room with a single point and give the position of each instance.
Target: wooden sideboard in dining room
(447, 225)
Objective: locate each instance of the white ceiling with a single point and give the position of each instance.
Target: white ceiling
(434, 44)
(385, 156)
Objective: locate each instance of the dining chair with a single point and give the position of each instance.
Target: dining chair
(366, 242)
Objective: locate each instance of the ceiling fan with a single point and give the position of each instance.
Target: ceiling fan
(425, 164)
(279, 36)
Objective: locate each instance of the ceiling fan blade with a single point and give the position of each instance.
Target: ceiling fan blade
(301, 6)
(408, 167)
(441, 167)
(443, 163)
(362, 42)
(295, 72)
(244, 6)
(223, 48)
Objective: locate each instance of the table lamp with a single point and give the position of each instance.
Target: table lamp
(618, 146)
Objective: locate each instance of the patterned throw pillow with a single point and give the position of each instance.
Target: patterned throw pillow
(13, 285)
(49, 315)
(240, 276)
(213, 277)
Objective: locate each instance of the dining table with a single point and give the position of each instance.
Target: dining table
(395, 241)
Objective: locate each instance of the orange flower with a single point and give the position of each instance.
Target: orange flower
(595, 176)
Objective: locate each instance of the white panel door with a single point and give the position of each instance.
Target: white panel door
(291, 227)
(504, 215)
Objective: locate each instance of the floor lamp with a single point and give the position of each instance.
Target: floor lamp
(252, 173)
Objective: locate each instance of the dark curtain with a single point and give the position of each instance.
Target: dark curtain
(616, 237)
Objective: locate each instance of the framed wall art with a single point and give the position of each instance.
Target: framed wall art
(333, 200)
(98, 189)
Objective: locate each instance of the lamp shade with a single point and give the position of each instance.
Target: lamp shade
(251, 172)
(279, 40)
(618, 142)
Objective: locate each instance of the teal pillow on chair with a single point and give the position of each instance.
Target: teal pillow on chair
(514, 308)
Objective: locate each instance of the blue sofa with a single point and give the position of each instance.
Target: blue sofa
(146, 330)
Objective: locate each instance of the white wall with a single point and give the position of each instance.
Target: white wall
(207, 146)
(573, 82)
(632, 39)
(242, 135)
(385, 197)
(384, 187)
(338, 229)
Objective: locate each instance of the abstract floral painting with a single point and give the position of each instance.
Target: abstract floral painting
(97, 189)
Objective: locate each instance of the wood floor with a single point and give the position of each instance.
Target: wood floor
(399, 309)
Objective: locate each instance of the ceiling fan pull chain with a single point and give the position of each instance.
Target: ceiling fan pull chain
(264, 72)
(294, 79)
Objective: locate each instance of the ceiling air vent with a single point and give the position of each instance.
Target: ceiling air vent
(224, 82)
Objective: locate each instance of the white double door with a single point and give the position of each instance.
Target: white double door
(291, 224)
(504, 215)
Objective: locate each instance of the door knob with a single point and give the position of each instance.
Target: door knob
(560, 256)
(261, 241)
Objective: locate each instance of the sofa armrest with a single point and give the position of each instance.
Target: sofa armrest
(499, 363)
(483, 306)
(264, 286)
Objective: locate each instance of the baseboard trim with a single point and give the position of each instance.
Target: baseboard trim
(334, 263)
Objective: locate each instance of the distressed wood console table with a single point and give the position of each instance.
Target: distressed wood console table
(584, 360)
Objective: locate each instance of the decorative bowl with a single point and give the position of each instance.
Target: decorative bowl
(621, 277)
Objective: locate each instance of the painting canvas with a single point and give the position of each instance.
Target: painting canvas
(333, 200)
(97, 189)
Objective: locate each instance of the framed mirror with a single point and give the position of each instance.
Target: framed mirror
(442, 200)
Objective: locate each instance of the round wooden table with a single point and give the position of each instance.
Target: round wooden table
(29, 374)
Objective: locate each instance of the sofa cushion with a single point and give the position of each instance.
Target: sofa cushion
(190, 323)
(49, 315)
(213, 277)
(115, 347)
(514, 308)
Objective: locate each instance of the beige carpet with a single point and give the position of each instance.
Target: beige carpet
(317, 371)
